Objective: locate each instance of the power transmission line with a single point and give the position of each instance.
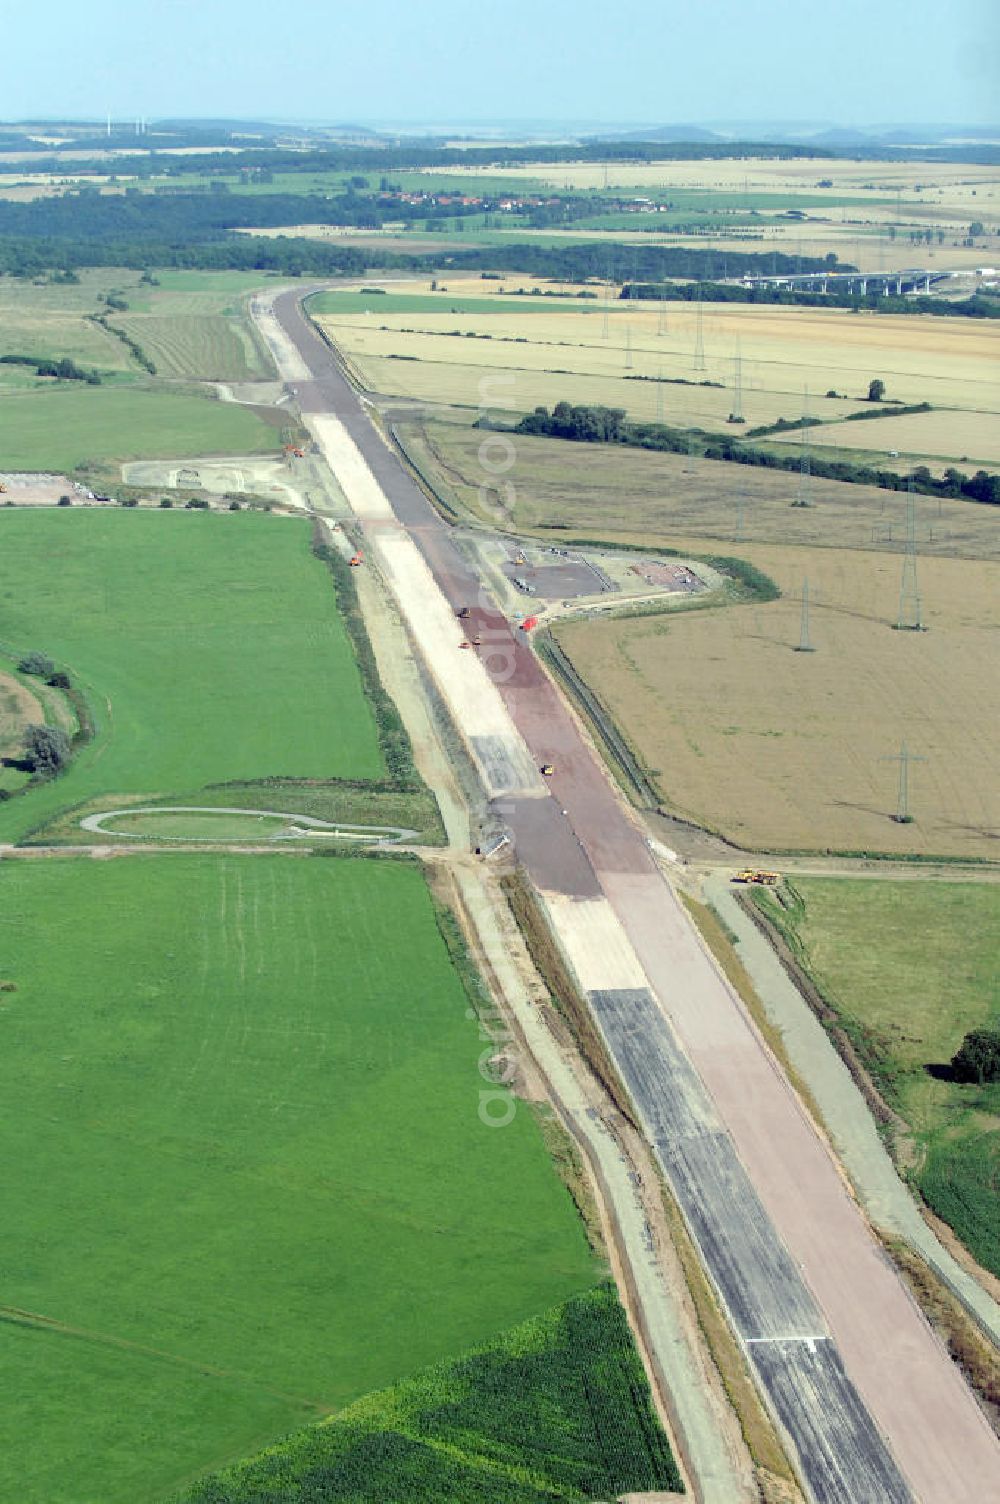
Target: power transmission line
(741, 508)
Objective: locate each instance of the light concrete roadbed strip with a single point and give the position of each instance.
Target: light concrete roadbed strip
(594, 942)
(476, 706)
(291, 366)
(367, 499)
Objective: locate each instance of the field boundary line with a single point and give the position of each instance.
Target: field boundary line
(35, 1321)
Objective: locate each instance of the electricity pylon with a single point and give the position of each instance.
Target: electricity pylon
(805, 646)
(736, 416)
(802, 495)
(698, 361)
(904, 757)
(910, 617)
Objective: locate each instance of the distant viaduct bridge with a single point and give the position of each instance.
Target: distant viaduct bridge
(915, 280)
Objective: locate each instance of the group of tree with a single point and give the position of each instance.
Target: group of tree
(63, 369)
(643, 265)
(46, 750)
(977, 1058)
(976, 306)
(596, 425)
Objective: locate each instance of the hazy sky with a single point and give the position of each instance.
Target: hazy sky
(849, 61)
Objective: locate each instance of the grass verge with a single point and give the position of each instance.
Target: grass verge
(976, 1357)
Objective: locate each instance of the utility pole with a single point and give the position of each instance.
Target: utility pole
(904, 757)
(736, 416)
(910, 617)
(699, 339)
(802, 497)
(741, 507)
(607, 298)
(661, 322)
(805, 646)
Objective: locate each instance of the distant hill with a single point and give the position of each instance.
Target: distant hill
(663, 133)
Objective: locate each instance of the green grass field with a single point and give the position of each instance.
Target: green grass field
(190, 324)
(557, 1409)
(65, 427)
(910, 968)
(208, 347)
(243, 1151)
(49, 322)
(208, 645)
(332, 303)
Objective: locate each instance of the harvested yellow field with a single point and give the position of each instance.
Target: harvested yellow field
(642, 497)
(563, 354)
(963, 437)
(518, 390)
(779, 749)
(952, 184)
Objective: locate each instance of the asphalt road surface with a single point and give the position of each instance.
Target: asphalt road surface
(866, 1394)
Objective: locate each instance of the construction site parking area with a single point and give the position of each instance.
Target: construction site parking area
(244, 1144)
(549, 580)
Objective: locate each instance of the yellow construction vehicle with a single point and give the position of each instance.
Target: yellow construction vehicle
(756, 875)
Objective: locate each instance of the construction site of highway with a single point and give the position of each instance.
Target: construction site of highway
(746, 1221)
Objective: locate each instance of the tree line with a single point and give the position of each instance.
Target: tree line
(609, 425)
(976, 306)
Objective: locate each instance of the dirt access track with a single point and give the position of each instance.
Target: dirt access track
(866, 1395)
